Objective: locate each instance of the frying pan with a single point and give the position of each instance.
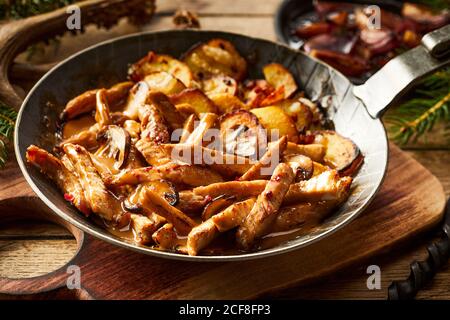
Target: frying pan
(353, 109)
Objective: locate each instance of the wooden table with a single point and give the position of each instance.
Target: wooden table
(30, 249)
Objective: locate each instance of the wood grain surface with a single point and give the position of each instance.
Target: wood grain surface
(36, 248)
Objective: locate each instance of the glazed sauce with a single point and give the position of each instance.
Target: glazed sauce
(77, 125)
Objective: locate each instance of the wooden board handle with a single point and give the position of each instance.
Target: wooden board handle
(32, 208)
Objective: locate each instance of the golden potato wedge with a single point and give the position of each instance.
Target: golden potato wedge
(219, 85)
(340, 152)
(278, 76)
(196, 99)
(298, 111)
(153, 62)
(216, 57)
(164, 82)
(274, 118)
(226, 102)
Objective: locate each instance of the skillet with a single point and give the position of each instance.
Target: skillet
(354, 111)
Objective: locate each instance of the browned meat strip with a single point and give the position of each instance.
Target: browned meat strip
(326, 186)
(177, 173)
(102, 116)
(137, 97)
(61, 175)
(143, 228)
(85, 102)
(237, 188)
(207, 121)
(101, 201)
(155, 154)
(260, 219)
(270, 159)
(203, 234)
(166, 237)
(191, 203)
(153, 126)
(160, 101)
(154, 203)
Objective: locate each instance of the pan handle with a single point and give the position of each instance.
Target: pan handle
(398, 75)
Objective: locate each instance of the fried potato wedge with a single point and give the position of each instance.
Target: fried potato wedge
(164, 82)
(278, 76)
(226, 103)
(153, 62)
(277, 122)
(196, 99)
(219, 85)
(216, 57)
(298, 111)
(340, 152)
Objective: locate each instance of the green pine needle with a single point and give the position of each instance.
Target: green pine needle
(17, 9)
(7, 120)
(418, 115)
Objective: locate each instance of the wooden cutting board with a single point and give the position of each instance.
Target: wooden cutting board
(410, 201)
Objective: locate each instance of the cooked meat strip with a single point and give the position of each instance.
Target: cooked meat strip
(304, 214)
(155, 154)
(85, 102)
(177, 173)
(102, 116)
(314, 151)
(326, 186)
(188, 128)
(101, 201)
(237, 188)
(153, 125)
(263, 214)
(153, 202)
(233, 216)
(302, 166)
(63, 176)
(225, 164)
(143, 228)
(270, 159)
(207, 121)
(166, 237)
(203, 234)
(137, 97)
(160, 101)
(191, 203)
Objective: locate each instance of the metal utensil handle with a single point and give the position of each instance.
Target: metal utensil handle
(402, 72)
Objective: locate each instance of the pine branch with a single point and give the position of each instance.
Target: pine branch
(416, 116)
(7, 121)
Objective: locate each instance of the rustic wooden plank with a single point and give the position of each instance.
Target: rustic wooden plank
(221, 7)
(29, 258)
(437, 162)
(33, 230)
